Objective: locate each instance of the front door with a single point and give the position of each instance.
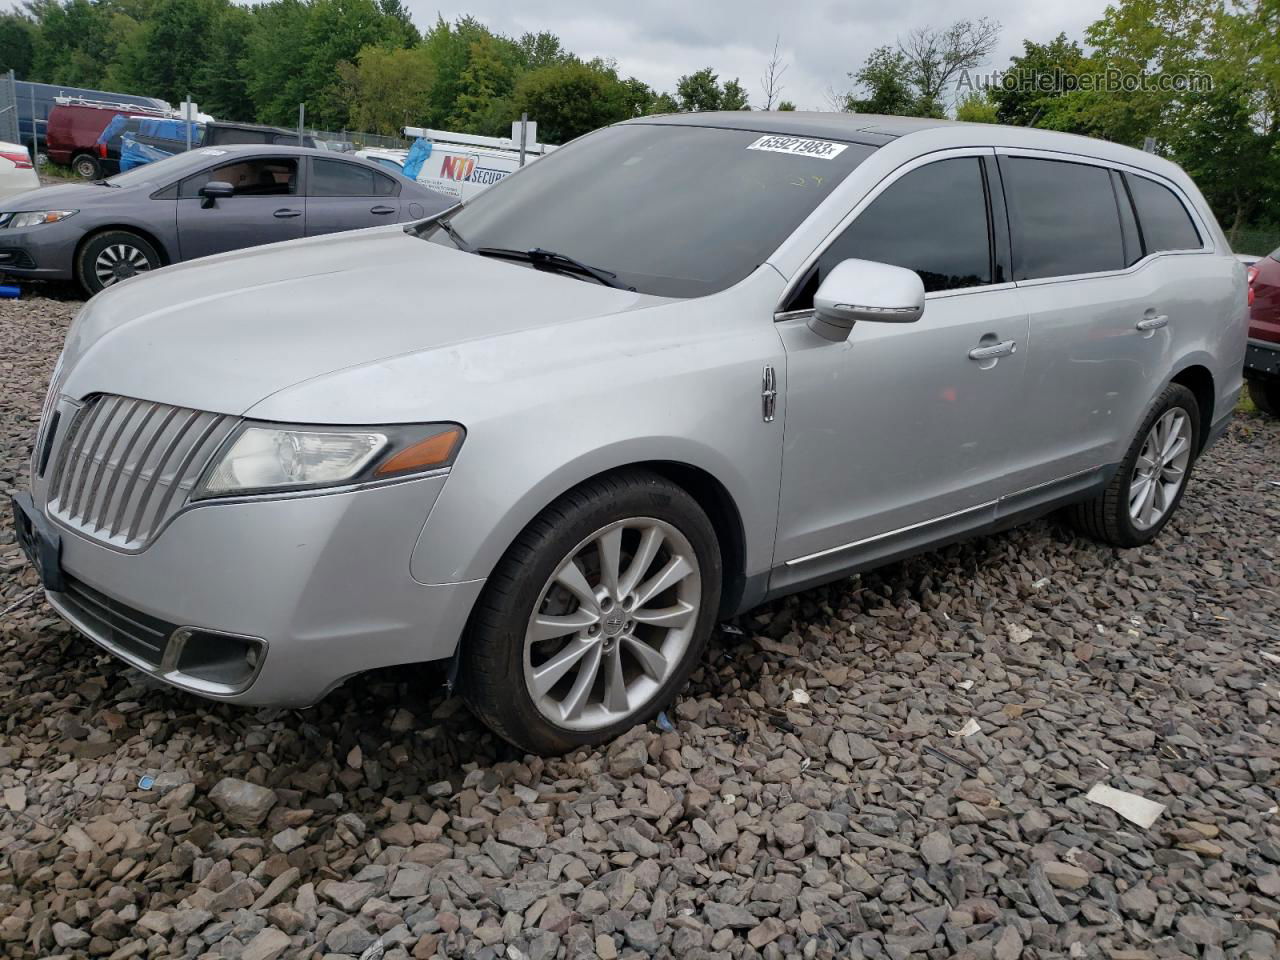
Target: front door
(266, 207)
(902, 433)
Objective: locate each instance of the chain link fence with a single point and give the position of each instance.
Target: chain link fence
(361, 141)
(9, 108)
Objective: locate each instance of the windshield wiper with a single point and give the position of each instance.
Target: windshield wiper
(454, 235)
(103, 183)
(556, 261)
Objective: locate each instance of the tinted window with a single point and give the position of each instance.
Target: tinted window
(226, 137)
(259, 177)
(673, 210)
(933, 221)
(1165, 223)
(333, 178)
(1064, 218)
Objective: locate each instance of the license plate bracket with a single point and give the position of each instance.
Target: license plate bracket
(41, 544)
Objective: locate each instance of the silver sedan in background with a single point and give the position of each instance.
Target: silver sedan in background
(209, 200)
(682, 366)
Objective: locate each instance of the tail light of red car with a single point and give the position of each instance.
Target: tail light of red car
(20, 160)
(102, 150)
(1253, 275)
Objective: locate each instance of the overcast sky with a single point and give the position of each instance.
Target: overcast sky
(660, 40)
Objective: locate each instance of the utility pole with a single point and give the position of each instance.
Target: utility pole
(302, 116)
(524, 129)
(186, 115)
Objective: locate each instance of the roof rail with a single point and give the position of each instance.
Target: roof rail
(474, 140)
(118, 107)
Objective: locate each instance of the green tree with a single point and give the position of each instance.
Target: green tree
(699, 91)
(572, 98)
(884, 78)
(388, 89)
(18, 35)
(483, 104)
(733, 97)
(786, 105)
(976, 107)
(1042, 75)
(164, 54)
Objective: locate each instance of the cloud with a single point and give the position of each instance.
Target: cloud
(659, 41)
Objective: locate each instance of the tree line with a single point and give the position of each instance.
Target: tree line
(356, 64)
(1224, 131)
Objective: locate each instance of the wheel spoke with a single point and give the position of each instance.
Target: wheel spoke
(610, 548)
(676, 569)
(571, 578)
(1137, 491)
(545, 627)
(650, 543)
(651, 661)
(669, 618)
(615, 683)
(547, 675)
(573, 704)
(1148, 509)
(1173, 436)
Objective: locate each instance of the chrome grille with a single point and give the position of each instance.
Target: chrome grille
(126, 466)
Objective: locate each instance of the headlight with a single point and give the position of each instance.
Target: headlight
(16, 220)
(269, 458)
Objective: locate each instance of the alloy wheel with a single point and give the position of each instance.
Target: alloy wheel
(612, 623)
(119, 261)
(1161, 469)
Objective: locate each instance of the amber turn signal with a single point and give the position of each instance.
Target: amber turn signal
(434, 451)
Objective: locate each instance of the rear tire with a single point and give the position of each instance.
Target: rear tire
(1265, 395)
(112, 256)
(1170, 431)
(567, 648)
(87, 167)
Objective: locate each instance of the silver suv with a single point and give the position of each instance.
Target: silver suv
(684, 366)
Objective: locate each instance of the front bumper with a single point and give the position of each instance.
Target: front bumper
(1262, 359)
(44, 252)
(305, 591)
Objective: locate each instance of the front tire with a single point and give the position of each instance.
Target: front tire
(595, 616)
(1265, 395)
(113, 256)
(87, 167)
(1149, 484)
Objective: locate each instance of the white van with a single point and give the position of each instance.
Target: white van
(460, 165)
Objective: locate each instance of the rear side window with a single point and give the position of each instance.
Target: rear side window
(933, 221)
(334, 178)
(1064, 218)
(1164, 221)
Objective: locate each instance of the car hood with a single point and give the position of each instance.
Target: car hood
(222, 333)
(65, 197)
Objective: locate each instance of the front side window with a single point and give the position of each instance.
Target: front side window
(672, 210)
(1064, 218)
(1164, 221)
(932, 220)
(334, 178)
(259, 177)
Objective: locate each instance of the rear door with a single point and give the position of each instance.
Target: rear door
(347, 196)
(1099, 310)
(267, 206)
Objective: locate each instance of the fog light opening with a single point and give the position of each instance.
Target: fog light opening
(221, 658)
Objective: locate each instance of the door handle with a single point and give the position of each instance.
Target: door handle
(1152, 323)
(284, 213)
(994, 352)
(381, 210)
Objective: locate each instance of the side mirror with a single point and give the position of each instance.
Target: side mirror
(216, 190)
(865, 290)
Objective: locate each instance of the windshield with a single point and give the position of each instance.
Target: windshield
(675, 211)
(170, 168)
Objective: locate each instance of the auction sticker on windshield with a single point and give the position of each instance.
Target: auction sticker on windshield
(799, 145)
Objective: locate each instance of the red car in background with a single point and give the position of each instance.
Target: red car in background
(1262, 361)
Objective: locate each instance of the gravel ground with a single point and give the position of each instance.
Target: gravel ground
(808, 797)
